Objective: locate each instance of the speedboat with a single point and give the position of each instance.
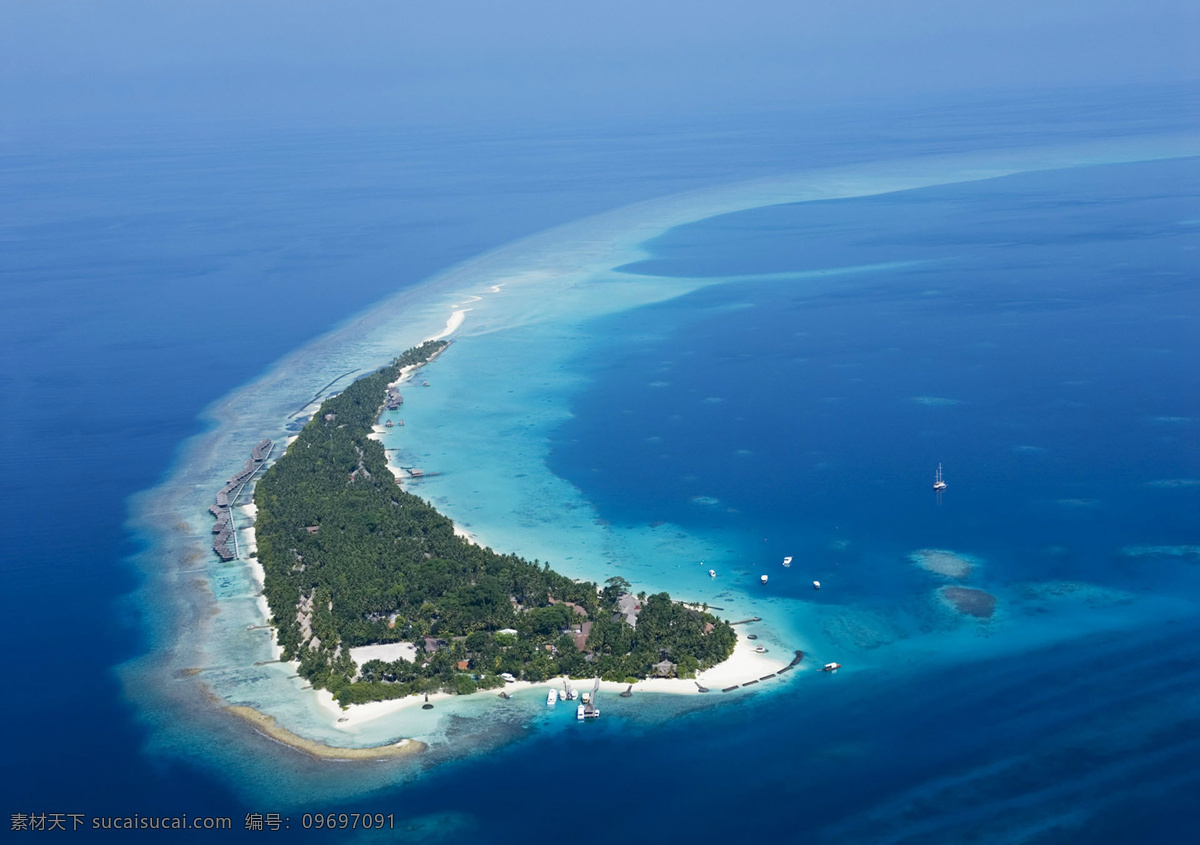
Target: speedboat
(816, 585)
(787, 561)
(831, 667)
(763, 579)
(712, 573)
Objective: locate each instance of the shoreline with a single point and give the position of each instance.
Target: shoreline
(744, 666)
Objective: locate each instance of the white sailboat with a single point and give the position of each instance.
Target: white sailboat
(938, 483)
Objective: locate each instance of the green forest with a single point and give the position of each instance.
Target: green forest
(352, 559)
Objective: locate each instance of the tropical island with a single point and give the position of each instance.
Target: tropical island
(351, 559)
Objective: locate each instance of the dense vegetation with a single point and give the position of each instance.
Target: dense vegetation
(351, 559)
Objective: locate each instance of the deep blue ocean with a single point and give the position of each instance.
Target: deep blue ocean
(1035, 334)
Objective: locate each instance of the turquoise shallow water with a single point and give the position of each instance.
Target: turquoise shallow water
(730, 376)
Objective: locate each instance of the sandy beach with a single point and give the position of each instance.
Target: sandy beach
(744, 666)
(453, 324)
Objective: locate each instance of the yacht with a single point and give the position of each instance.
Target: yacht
(938, 483)
(787, 561)
(831, 667)
(552, 698)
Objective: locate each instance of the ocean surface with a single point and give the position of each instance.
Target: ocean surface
(700, 346)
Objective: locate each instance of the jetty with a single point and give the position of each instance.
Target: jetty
(225, 528)
(795, 661)
(415, 473)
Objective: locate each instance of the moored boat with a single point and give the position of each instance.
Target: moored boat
(588, 709)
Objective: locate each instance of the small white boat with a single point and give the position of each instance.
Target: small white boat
(712, 573)
(552, 698)
(787, 561)
(588, 709)
(562, 696)
(816, 585)
(831, 667)
(938, 483)
(763, 579)
(508, 678)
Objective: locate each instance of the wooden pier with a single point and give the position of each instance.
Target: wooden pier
(225, 527)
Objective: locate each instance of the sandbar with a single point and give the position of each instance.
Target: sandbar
(456, 319)
(267, 725)
(943, 562)
(1184, 552)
